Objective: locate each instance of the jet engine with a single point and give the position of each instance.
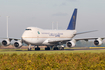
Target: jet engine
(6, 42)
(71, 43)
(98, 42)
(17, 44)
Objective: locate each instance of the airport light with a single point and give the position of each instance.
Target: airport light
(7, 26)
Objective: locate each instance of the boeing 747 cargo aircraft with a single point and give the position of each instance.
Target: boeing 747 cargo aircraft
(50, 38)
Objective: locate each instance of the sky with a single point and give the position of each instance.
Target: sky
(41, 13)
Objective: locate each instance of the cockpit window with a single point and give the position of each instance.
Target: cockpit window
(28, 29)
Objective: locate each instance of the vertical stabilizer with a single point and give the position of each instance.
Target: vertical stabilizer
(72, 22)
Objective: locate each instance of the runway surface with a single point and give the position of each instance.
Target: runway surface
(87, 49)
(67, 49)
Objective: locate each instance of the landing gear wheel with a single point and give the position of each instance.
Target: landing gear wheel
(55, 48)
(62, 48)
(47, 48)
(29, 49)
(37, 48)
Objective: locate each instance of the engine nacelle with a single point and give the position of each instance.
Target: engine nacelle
(71, 43)
(6, 42)
(98, 42)
(17, 44)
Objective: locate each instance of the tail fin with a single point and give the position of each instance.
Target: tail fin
(72, 22)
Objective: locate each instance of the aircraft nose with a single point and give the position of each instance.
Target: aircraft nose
(23, 36)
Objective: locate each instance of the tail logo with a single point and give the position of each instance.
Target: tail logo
(72, 22)
(74, 17)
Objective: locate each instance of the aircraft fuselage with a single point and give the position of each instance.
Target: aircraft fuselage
(37, 36)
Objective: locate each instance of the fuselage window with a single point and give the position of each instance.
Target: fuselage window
(28, 29)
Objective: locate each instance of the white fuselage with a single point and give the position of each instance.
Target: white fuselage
(37, 36)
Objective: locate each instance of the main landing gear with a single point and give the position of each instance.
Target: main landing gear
(55, 48)
(61, 48)
(29, 49)
(37, 48)
(47, 48)
(58, 48)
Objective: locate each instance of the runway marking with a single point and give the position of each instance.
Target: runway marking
(96, 47)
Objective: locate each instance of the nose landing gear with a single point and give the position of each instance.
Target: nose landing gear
(29, 49)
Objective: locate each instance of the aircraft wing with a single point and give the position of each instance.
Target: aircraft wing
(86, 32)
(64, 41)
(16, 39)
(86, 39)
